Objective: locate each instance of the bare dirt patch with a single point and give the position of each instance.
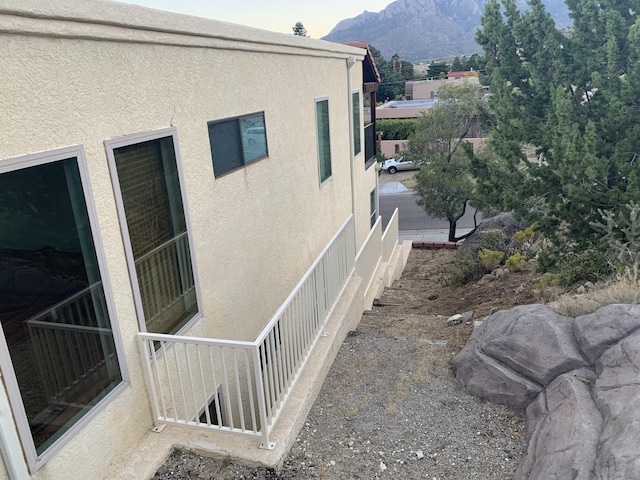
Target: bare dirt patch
(425, 289)
(390, 407)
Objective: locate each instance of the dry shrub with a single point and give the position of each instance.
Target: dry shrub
(490, 259)
(515, 262)
(624, 290)
(465, 271)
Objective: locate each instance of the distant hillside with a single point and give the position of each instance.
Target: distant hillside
(425, 29)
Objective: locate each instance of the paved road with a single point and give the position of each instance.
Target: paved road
(413, 217)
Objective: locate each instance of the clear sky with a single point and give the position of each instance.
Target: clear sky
(318, 16)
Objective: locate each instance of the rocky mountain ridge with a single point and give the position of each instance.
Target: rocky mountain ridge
(426, 29)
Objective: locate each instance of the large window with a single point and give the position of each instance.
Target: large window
(236, 142)
(145, 169)
(58, 351)
(357, 147)
(324, 140)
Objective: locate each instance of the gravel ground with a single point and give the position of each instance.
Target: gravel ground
(389, 408)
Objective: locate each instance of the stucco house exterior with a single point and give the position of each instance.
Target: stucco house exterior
(188, 229)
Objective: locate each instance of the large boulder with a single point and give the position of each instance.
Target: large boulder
(585, 424)
(563, 430)
(514, 354)
(617, 395)
(534, 341)
(597, 331)
(491, 380)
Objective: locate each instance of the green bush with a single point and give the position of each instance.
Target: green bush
(515, 262)
(575, 266)
(547, 259)
(490, 259)
(466, 271)
(589, 265)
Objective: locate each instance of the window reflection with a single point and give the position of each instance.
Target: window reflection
(52, 305)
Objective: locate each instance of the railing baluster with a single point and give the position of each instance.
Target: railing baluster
(238, 390)
(204, 388)
(227, 395)
(247, 361)
(264, 370)
(269, 367)
(191, 383)
(216, 400)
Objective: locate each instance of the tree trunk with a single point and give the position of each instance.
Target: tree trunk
(453, 224)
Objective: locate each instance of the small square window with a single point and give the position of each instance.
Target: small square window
(237, 142)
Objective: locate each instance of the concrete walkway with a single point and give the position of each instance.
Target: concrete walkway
(391, 188)
(432, 235)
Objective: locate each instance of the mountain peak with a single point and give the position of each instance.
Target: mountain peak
(425, 29)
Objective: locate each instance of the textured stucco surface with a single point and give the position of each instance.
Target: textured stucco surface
(79, 73)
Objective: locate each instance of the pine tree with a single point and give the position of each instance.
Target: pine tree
(299, 30)
(569, 102)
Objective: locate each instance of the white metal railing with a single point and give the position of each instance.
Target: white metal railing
(390, 237)
(368, 257)
(241, 387)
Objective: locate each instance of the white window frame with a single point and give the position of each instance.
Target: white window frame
(34, 462)
(315, 113)
(360, 132)
(373, 215)
(133, 139)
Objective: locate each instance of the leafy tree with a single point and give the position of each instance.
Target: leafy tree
(437, 69)
(299, 30)
(444, 185)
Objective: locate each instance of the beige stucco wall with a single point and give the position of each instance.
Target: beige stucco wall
(389, 147)
(80, 72)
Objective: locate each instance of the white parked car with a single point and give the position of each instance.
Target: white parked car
(394, 165)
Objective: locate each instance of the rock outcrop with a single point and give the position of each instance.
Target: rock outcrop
(494, 233)
(577, 379)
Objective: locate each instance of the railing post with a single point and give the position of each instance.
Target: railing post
(144, 347)
(262, 406)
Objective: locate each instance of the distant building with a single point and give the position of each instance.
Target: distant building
(404, 109)
(428, 89)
